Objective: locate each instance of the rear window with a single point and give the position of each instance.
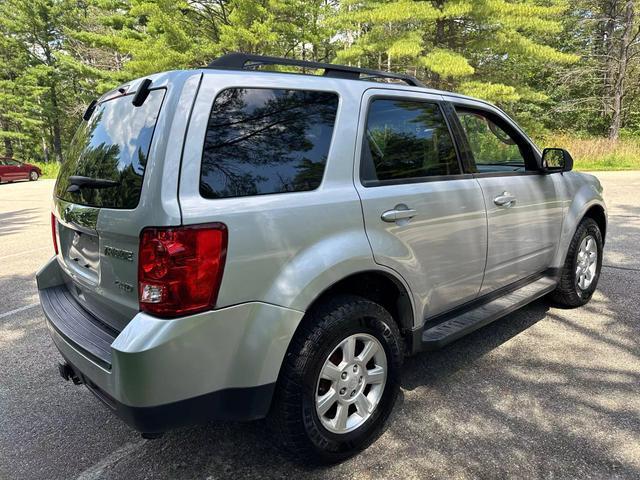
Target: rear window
(262, 141)
(112, 145)
(406, 140)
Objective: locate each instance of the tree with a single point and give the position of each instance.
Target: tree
(57, 55)
(149, 36)
(597, 95)
(486, 48)
(36, 26)
(49, 80)
(289, 28)
(623, 44)
(20, 101)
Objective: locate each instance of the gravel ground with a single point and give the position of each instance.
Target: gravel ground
(542, 393)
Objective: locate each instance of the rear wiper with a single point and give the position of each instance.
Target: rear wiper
(89, 111)
(77, 182)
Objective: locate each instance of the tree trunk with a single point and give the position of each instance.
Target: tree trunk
(439, 40)
(55, 122)
(441, 23)
(440, 35)
(8, 144)
(45, 150)
(622, 61)
(606, 48)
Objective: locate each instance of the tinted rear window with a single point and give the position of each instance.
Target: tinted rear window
(112, 145)
(406, 140)
(263, 141)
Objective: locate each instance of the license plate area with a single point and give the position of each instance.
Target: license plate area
(81, 252)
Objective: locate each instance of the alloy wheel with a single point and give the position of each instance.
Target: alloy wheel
(351, 383)
(586, 262)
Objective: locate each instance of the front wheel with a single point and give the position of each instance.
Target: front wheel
(339, 380)
(33, 176)
(581, 271)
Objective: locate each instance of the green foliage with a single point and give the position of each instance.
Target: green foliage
(447, 63)
(494, 92)
(549, 63)
(459, 44)
(49, 169)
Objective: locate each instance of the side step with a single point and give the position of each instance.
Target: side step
(470, 320)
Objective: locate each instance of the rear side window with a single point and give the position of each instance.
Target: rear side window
(262, 141)
(406, 140)
(113, 145)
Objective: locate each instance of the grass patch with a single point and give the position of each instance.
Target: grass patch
(49, 169)
(598, 153)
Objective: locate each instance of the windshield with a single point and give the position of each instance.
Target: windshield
(112, 145)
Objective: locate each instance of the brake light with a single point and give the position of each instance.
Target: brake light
(180, 268)
(54, 233)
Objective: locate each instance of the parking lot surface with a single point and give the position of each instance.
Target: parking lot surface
(543, 393)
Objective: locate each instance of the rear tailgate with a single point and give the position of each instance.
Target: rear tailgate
(100, 267)
(97, 239)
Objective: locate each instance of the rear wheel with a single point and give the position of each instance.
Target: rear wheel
(339, 381)
(33, 176)
(581, 271)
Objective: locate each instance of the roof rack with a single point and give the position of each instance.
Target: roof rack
(242, 61)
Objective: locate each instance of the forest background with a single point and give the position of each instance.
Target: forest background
(567, 71)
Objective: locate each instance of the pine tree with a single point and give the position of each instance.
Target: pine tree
(478, 47)
(289, 28)
(149, 36)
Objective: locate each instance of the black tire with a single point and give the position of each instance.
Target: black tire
(33, 176)
(568, 294)
(293, 416)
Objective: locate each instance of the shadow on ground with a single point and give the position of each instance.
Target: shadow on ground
(13, 222)
(542, 393)
(525, 396)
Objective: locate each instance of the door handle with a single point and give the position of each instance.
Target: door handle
(505, 199)
(398, 214)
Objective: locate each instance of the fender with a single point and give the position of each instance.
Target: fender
(587, 196)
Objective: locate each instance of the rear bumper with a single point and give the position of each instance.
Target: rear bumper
(160, 374)
(239, 404)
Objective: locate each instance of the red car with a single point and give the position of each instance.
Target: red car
(11, 170)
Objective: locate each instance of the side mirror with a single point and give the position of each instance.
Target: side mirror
(556, 160)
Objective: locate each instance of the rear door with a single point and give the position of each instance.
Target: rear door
(4, 170)
(524, 206)
(424, 217)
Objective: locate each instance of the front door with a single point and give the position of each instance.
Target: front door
(17, 170)
(524, 208)
(424, 217)
(23, 170)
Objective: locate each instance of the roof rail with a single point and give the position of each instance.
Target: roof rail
(242, 61)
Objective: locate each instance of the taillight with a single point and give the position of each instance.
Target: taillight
(180, 268)
(54, 233)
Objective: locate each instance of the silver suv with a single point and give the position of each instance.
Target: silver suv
(235, 243)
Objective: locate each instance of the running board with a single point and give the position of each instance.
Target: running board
(470, 320)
